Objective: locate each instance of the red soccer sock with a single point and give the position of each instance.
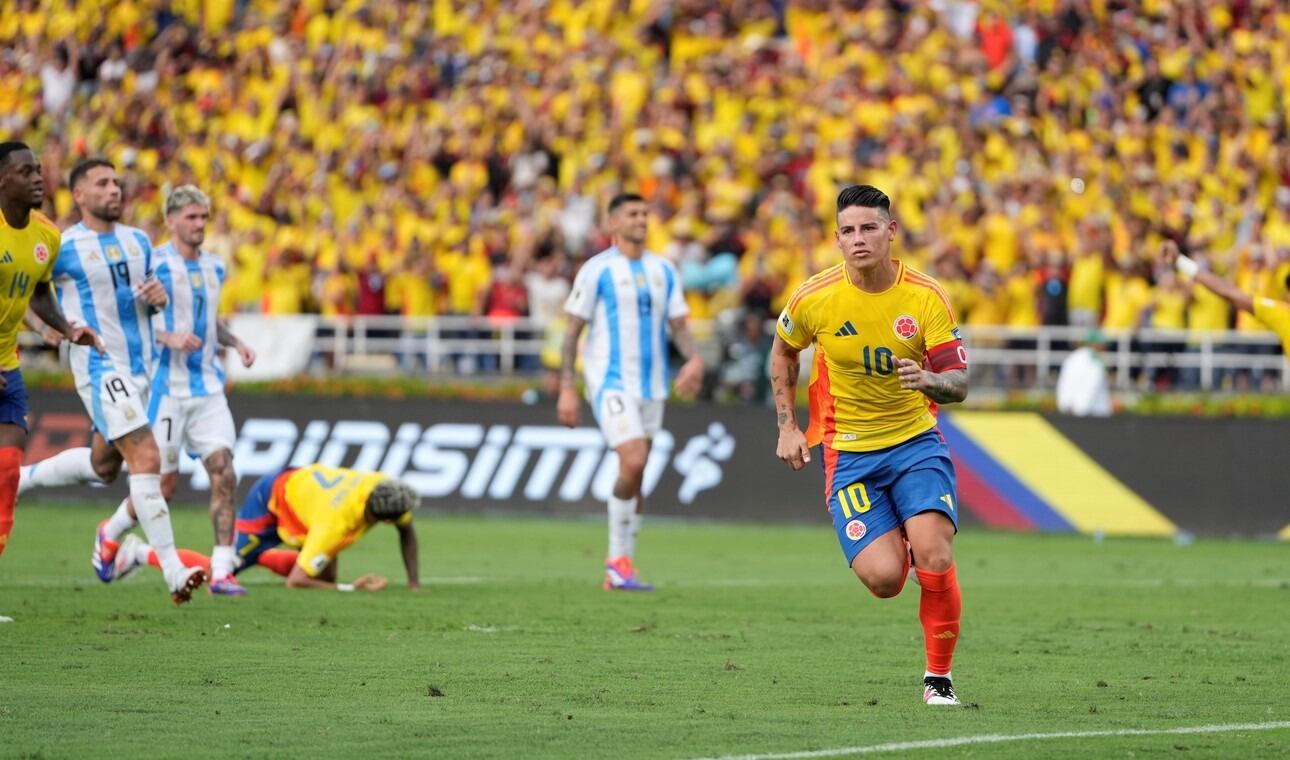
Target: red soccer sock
(189, 557)
(279, 561)
(10, 461)
(939, 610)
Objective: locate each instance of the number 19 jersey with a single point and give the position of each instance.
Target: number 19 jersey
(856, 400)
(95, 277)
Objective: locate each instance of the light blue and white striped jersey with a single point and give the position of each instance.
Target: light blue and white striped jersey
(194, 288)
(95, 277)
(627, 304)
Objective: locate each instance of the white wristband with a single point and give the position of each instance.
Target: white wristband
(1186, 267)
(344, 587)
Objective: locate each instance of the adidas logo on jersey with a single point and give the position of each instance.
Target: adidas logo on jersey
(8, 258)
(846, 330)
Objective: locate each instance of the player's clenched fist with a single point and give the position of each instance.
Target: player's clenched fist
(792, 448)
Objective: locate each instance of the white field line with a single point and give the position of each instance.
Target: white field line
(67, 581)
(962, 741)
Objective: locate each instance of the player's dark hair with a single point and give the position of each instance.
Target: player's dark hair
(390, 499)
(8, 148)
(624, 198)
(864, 195)
(83, 167)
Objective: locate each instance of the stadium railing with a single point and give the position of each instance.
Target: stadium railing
(466, 345)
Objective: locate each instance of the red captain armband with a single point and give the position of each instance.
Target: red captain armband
(947, 356)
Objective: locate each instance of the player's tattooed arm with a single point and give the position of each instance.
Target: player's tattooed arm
(569, 352)
(785, 365)
(948, 387)
(567, 408)
(228, 339)
(689, 380)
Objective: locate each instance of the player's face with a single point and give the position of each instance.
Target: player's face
(21, 179)
(188, 224)
(631, 221)
(864, 236)
(99, 194)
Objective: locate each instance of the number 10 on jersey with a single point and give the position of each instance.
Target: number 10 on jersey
(854, 500)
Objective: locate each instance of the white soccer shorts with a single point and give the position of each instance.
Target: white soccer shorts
(200, 425)
(623, 418)
(117, 403)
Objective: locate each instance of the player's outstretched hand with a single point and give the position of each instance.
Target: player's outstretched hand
(246, 354)
(912, 375)
(690, 378)
(370, 582)
(50, 337)
(153, 292)
(792, 447)
(1168, 252)
(84, 336)
(567, 408)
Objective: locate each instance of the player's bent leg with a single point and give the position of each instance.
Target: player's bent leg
(219, 466)
(139, 448)
(624, 522)
(105, 459)
(882, 566)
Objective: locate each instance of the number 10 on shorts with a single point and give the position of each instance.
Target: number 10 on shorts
(854, 500)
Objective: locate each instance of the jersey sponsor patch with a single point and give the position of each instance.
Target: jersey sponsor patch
(856, 530)
(905, 326)
(786, 322)
(319, 563)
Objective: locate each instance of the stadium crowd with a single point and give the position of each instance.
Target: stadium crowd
(448, 157)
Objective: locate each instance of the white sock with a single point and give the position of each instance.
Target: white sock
(632, 532)
(66, 468)
(120, 521)
(620, 526)
(154, 517)
(223, 562)
(930, 674)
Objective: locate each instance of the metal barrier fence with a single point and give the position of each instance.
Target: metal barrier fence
(999, 355)
(447, 344)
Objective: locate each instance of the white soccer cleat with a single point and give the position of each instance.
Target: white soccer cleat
(130, 556)
(938, 690)
(183, 583)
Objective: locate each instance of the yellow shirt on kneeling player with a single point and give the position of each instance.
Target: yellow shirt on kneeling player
(321, 510)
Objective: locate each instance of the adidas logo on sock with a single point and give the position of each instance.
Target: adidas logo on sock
(846, 330)
(943, 635)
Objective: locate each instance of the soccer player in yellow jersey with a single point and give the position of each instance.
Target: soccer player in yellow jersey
(887, 350)
(29, 245)
(1270, 311)
(318, 511)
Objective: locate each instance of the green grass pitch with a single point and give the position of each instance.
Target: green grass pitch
(758, 641)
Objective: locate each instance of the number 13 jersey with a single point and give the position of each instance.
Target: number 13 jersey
(856, 400)
(95, 277)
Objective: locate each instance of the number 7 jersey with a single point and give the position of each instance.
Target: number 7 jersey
(856, 400)
(95, 277)
(194, 291)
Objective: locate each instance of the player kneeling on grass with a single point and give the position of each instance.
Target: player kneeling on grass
(318, 511)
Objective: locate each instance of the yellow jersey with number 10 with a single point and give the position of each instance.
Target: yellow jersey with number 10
(26, 258)
(856, 400)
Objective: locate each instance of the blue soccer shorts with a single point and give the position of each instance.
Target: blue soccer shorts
(256, 527)
(13, 400)
(870, 493)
